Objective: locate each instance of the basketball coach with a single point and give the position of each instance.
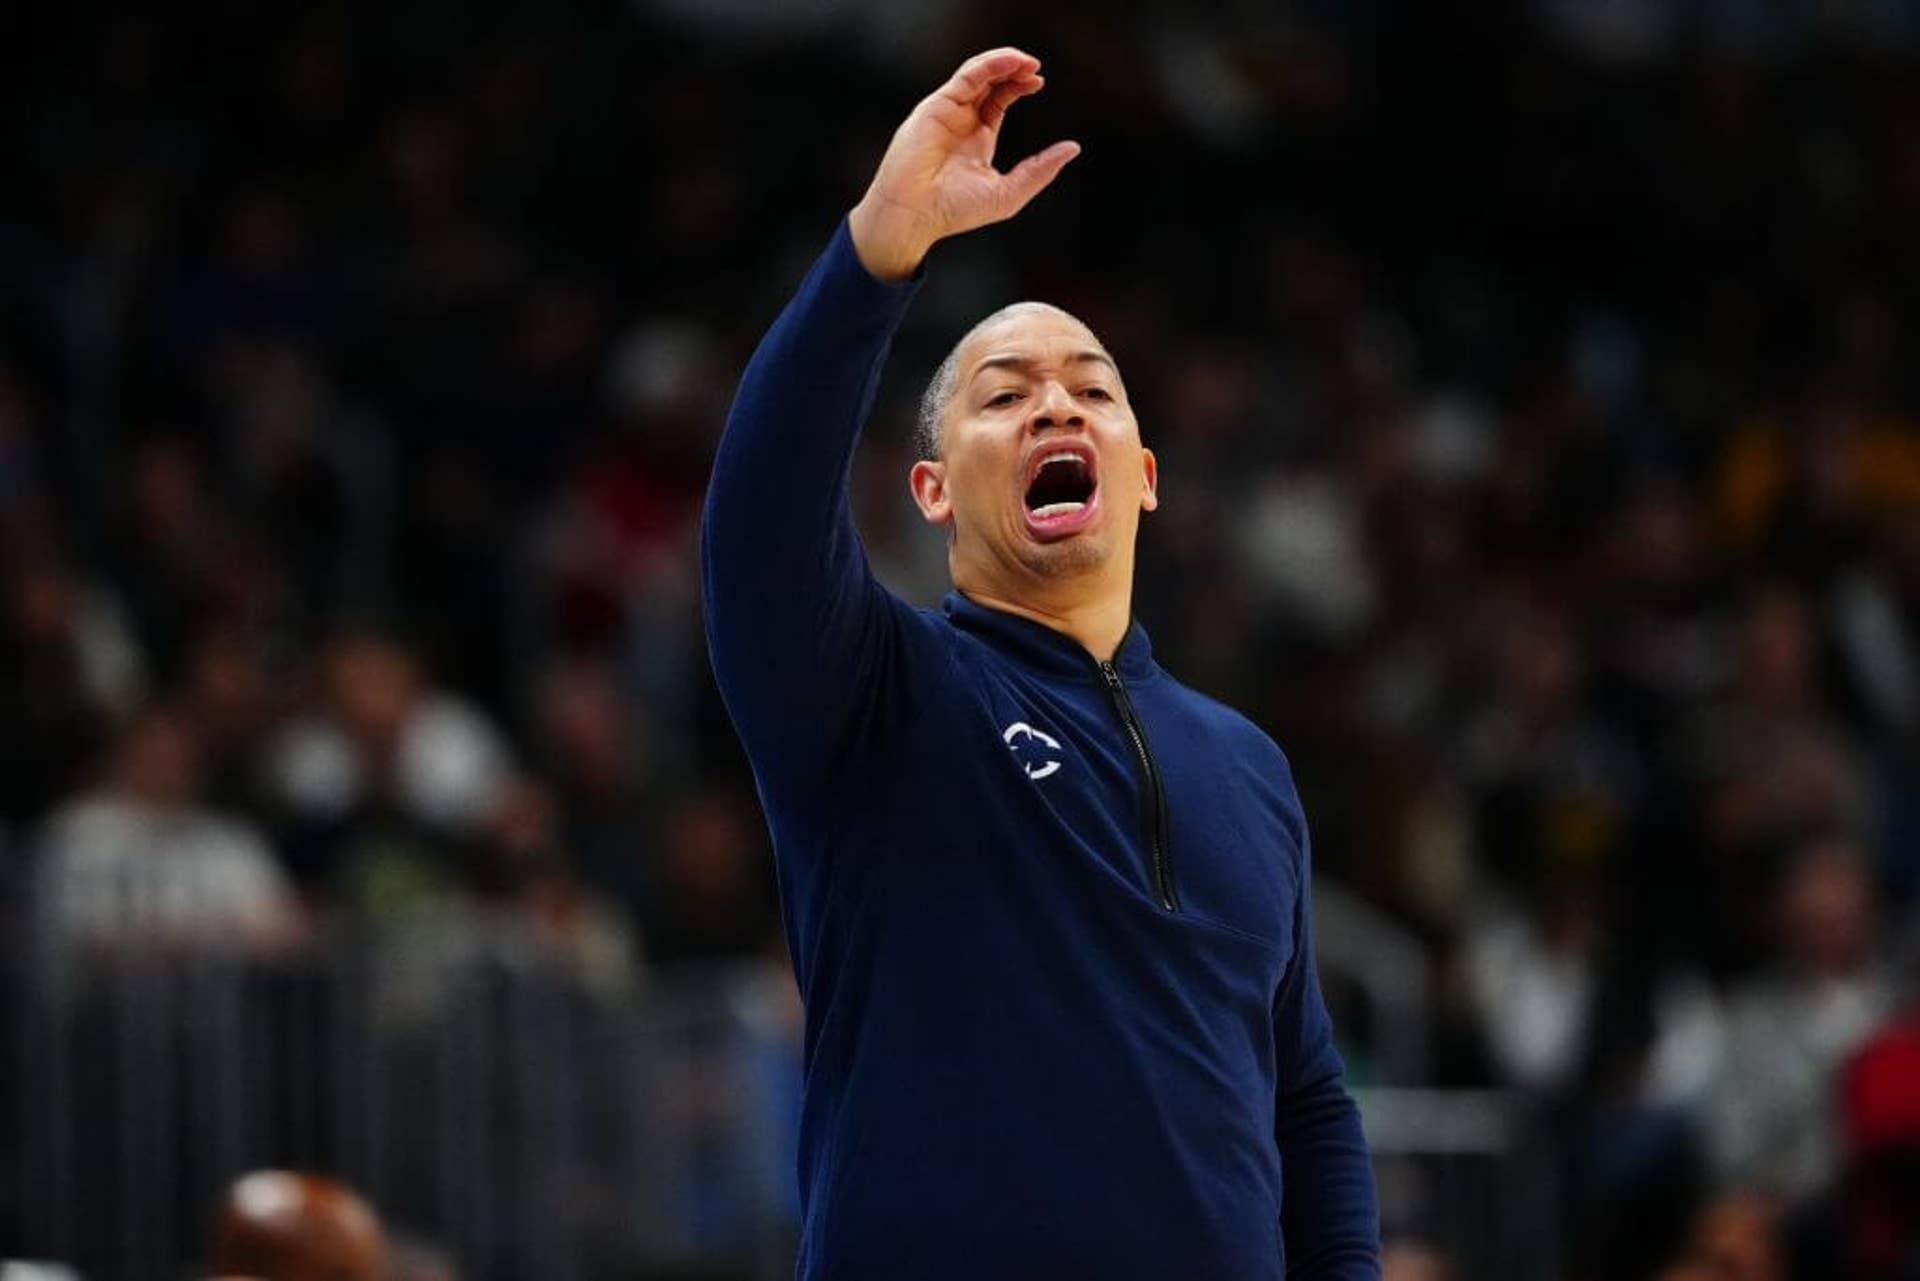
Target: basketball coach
(1048, 907)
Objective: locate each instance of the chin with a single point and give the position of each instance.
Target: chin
(1064, 558)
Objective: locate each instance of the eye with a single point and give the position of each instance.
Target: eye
(1003, 398)
(1097, 393)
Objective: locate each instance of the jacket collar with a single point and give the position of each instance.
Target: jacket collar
(1040, 647)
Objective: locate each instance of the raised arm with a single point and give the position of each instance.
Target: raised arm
(801, 636)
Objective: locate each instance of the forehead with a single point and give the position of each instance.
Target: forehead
(1035, 333)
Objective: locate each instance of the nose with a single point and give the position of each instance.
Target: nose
(1055, 408)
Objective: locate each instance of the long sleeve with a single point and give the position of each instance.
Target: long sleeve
(1329, 1215)
(798, 629)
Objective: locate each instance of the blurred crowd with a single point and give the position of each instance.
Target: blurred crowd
(1541, 467)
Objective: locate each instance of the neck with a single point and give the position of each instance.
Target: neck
(1098, 620)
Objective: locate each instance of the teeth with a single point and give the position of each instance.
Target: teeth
(1056, 509)
(1051, 459)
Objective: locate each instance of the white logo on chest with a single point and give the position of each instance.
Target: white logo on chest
(1037, 751)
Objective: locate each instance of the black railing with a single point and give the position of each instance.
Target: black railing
(531, 1123)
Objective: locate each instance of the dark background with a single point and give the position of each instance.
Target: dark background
(1534, 391)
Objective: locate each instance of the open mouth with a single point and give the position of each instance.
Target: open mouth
(1060, 492)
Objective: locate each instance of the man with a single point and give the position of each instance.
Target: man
(1047, 907)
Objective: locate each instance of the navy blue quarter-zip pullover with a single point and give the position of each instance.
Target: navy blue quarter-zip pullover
(1049, 915)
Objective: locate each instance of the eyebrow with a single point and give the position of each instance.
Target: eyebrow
(1026, 362)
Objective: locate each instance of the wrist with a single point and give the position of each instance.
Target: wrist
(888, 245)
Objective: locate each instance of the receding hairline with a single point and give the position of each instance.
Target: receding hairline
(1021, 310)
(947, 379)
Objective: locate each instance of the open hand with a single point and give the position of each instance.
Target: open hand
(937, 178)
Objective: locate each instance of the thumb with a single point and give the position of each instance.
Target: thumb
(1030, 177)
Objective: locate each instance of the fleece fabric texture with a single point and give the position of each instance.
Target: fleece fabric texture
(1019, 1062)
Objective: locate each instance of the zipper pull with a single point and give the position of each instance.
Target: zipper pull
(1109, 674)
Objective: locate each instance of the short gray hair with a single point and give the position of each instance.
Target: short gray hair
(945, 381)
(933, 405)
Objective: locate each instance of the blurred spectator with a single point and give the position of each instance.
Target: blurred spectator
(1873, 1223)
(311, 474)
(1738, 1238)
(180, 561)
(503, 895)
(73, 670)
(1555, 787)
(381, 740)
(1301, 544)
(1554, 794)
(598, 751)
(138, 865)
(1773, 766)
(1659, 646)
(1533, 982)
(525, 873)
(710, 896)
(1768, 1110)
(231, 688)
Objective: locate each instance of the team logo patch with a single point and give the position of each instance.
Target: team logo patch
(1038, 752)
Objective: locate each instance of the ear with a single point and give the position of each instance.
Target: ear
(928, 481)
(1150, 493)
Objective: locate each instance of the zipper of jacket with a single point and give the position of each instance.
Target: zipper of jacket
(1154, 811)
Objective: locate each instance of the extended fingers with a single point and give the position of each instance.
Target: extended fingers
(1030, 177)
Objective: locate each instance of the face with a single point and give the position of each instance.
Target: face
(160, 760)
(374, 687)
(1738, 1239)
(1041, 474)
